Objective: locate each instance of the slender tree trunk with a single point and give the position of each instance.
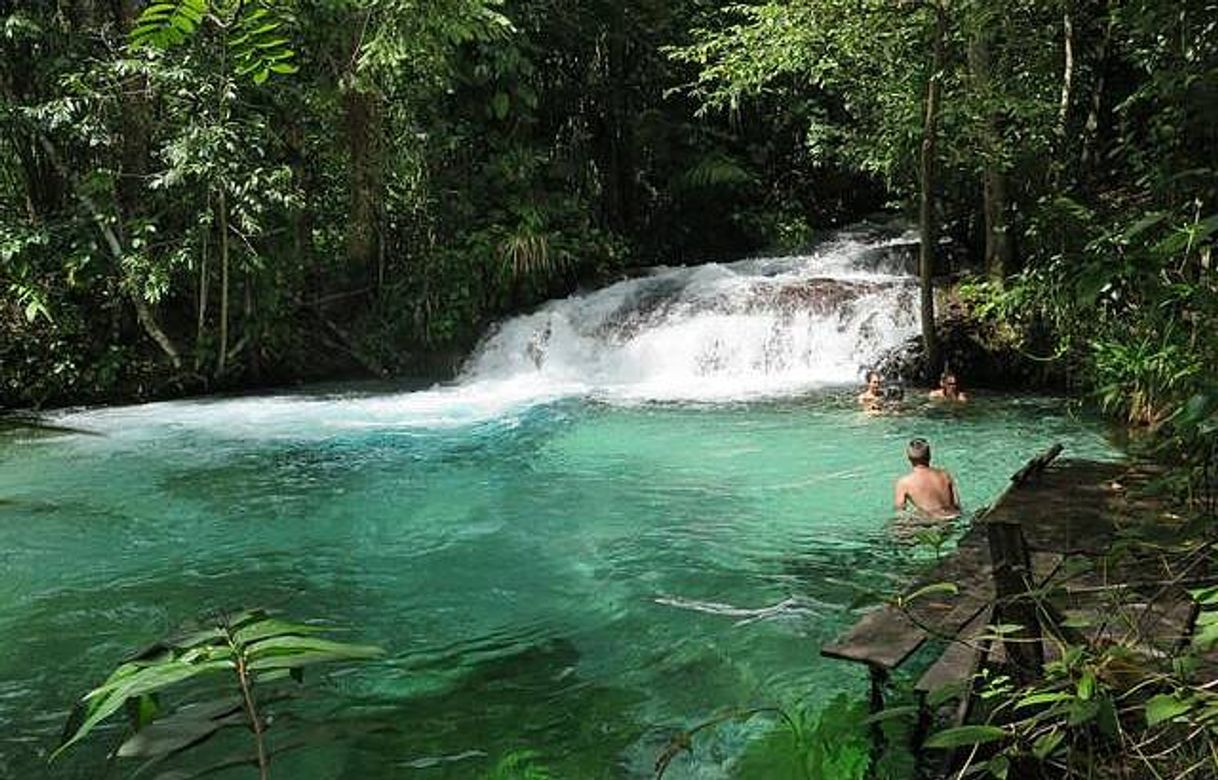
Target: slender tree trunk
(302, 219)
(1063, 111)
(201, 310)
(1089, 154)
(999, 254)
(363, 125)
(250, 332)
(114, 243)
(926, 213)
(620, 168)
(222, 226)
(135, 119)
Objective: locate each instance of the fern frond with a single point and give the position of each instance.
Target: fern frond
(166, 24)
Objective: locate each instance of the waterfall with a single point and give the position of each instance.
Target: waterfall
(758, 327)
(755, 328)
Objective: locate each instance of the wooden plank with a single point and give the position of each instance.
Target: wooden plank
(884, 637)
(959, 661)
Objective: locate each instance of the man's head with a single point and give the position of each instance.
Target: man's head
(949, 383)
(874, 380)
(918, 452)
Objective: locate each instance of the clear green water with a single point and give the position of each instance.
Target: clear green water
(547, 579)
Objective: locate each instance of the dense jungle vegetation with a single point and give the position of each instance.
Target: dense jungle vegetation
(205, 194)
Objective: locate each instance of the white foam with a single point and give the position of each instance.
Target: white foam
(761, 327)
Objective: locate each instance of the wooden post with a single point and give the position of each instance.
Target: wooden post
(1014, 605)
(879, 678)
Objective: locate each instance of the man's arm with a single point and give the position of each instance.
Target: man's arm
(955, 493)
(900, 495)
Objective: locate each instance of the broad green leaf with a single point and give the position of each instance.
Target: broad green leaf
(945, 693)
(1044, 746)
(1206, 636)
(1206, 618)
(1165, 707)
(933, 589)
(965, 735)
(295, 660)
(286, 645)
(999, 766)
(1106, 718)
(1086, 685)
(271, 627)
(146, 680)
(1205, 596)
(202, 636)
(500, 104)
(142, 710)
(1080, 711)
(1043, 698)
(172, 734)
(891, 713)
(1143, 224)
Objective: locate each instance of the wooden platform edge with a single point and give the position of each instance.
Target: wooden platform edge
(886, 637)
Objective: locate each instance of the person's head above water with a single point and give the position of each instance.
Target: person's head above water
(918, 452)
(949, 382)
(874, 380)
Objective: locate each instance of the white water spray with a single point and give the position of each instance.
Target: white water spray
(751, 329)
(761, 327)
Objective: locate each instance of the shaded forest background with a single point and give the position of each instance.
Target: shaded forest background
(409, 173)
(206, 194)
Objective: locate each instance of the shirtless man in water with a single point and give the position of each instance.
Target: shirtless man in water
(931, 490)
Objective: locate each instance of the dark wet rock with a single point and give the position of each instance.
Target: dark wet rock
(975, 354)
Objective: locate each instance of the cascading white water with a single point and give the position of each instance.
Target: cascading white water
(750, 329)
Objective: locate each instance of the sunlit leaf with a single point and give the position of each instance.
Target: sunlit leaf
(1165, 707)
(965, 735)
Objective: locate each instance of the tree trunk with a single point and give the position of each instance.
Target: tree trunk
(999, 254)
(201, 310)
(928, 226)
(1089, 154)
(143, 313)
(302, 219)
(222, 226)
(250, 333)
(135, 119)
(363, 120)
(1063, 111)
(620, 175)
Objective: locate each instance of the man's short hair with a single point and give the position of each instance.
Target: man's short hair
(874, 373)
(918, 451)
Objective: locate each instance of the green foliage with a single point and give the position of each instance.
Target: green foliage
(835, 742)
(237, 654)
(162, 25)
(1116, 697)
(519, 765)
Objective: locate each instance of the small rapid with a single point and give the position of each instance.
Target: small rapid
(752, 329)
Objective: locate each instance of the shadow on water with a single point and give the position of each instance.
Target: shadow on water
(531, 699)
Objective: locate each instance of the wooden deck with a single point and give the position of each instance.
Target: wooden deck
(1070, 515)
